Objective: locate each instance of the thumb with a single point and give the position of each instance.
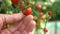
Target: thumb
(13, 18)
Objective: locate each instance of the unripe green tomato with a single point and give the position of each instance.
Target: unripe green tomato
(52, 1)
(46, 3)
(44, 7)
(41, 24)
(8, 2)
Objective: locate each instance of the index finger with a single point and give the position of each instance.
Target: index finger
(12, 18)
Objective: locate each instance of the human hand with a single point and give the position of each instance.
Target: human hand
(23, 25)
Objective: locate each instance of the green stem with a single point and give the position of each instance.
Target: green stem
(45, 26)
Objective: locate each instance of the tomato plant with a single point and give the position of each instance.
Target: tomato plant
(30, 7)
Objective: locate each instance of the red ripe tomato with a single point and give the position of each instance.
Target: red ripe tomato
(41, 14)
(39, 7)
(28, 11)
(14, 1)
(45, 30)
(50, 13)
(21, 6)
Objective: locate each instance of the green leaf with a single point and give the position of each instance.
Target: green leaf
(56, 6)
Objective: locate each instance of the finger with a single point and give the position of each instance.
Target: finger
(5, 31)
(26, 21)
(21, 28)
(1, 24)
(17, 32)
(13, 29)
(13, 18)
(24, 32)
(30, 33)
(30, 27)
(20, 25)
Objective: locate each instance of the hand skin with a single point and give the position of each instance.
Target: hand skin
(23, 24)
